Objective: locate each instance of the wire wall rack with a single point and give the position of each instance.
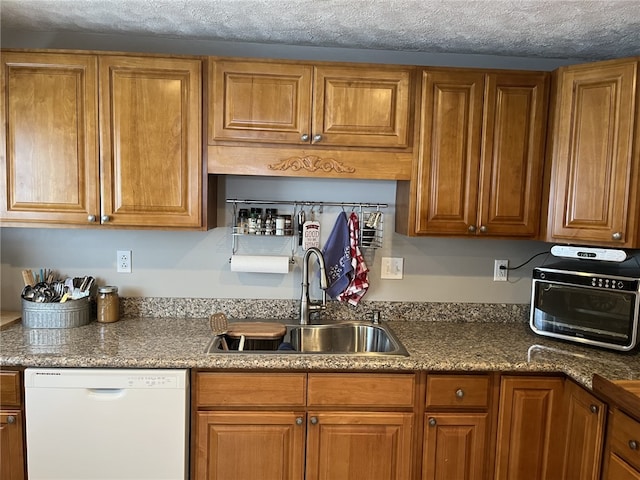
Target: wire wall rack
(370, 216)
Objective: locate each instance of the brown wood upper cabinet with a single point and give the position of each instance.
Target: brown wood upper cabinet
(480, 164)
(594, 197)
(101, 139)
(345, 117)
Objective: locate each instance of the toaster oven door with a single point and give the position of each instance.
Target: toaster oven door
(605, 318)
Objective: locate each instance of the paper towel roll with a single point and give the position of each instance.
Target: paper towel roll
(259, 264)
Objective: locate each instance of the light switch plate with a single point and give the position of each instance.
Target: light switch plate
(392, 268)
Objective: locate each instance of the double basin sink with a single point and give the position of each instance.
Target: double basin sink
(352, 338)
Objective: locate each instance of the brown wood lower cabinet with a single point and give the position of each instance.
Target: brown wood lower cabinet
(455, 446)
(530, 444)
(585, 416)
(359, 445)
(295, 426)
(457, 426)
(403, 426)
(12, 453)
(250, 445)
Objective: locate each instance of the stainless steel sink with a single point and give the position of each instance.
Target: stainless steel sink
(352, 338)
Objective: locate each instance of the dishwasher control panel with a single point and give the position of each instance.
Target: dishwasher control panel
(104, 378)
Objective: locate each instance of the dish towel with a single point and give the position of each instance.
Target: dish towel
(337, 257)
(359, 283)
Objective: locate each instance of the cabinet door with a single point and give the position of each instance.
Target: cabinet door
(454, 446)
(362, 106)
(49, 139)
(249, 445)
(592, 186)
(12, 465)
(584, 440)
(449, 152)
(259, 101)
(150, 126)
(359, 446)
(529, 442)
(513, 153)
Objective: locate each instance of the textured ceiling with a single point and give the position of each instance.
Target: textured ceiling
(526, 28)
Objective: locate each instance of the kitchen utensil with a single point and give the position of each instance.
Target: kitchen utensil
(219, 326)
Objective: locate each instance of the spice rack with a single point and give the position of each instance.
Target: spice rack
(370, 217)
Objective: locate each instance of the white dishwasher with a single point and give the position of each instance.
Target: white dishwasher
(107, 424)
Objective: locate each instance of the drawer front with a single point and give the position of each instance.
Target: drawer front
(10, 389)
(625, 438)
(221, 389)
(361, 390)
(457, 391)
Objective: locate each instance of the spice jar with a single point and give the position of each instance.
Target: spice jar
(108, 304)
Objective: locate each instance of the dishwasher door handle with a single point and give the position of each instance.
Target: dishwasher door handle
(106, 393)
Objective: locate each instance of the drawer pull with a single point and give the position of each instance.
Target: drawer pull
(593, 408)
(460, 393)
(432, 422)
(633, 445)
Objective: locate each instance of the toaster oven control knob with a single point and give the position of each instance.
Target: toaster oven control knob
(617, 236)
(543, 275)
(593, 282)
(620, 285)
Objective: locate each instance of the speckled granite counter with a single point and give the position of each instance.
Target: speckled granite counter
(437, 346)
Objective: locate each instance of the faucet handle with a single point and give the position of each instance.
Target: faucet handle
(375, 319)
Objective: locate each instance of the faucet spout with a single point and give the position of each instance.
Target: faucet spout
(307, 306)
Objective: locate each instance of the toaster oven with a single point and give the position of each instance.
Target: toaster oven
(589, 302)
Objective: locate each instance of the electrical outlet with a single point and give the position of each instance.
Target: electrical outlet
(123, 261)
(500, 274)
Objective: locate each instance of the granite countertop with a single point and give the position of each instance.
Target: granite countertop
(435, 346)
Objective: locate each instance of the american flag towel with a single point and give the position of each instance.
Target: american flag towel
(360, 272)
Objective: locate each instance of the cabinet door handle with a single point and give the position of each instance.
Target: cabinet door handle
(91, 218)
(633, 445)
(472, 228)
(460, 393)
(314, 420)
(104, 218)
(11, 419)
(299, 420)
(317, 137)
(432, 422)
(304, 137)
(617, 236)
(483, 229)
(594, 408)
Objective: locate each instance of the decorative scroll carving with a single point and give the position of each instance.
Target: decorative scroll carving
(312, 163)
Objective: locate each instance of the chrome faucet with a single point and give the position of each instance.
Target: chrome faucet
(306, 305)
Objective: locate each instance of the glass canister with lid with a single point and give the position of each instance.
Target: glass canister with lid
(108, 304)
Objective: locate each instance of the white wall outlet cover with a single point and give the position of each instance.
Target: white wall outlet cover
(392, 268)
(123, 261)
